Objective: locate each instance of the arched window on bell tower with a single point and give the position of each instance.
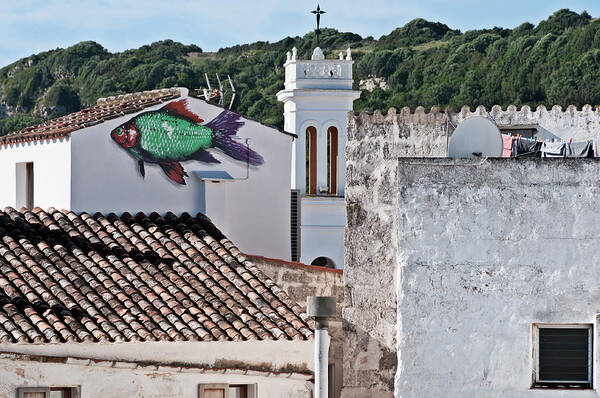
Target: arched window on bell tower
(311, 160)
(332, 160)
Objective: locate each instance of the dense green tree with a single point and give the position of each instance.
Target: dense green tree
(17, 122)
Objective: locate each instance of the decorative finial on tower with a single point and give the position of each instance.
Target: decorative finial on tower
(294, 54)
(317, 54)
(341, 56)
(288, 56)
(318, 12)
(348, 54)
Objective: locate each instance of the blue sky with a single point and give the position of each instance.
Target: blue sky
(30, 26)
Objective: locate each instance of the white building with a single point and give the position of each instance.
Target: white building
(317, 98)
(73, 163)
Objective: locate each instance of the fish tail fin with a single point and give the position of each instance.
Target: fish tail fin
(175, 171)
(225, 127)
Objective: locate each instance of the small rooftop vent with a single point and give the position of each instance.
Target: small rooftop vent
(476, 137)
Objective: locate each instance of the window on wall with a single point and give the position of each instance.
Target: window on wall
(227, 391)
(311, 160)
(332, 159)
(562, 356)
(24, 188)
(48, 392)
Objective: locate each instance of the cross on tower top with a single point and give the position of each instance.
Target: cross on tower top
(318, 12)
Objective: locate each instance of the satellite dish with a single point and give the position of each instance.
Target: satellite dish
(476, 136)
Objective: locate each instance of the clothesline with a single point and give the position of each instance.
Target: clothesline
(518, 146)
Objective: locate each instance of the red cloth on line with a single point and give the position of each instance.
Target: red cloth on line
(506, 146)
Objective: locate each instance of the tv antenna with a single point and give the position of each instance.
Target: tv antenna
(220, 91)
(318, 12)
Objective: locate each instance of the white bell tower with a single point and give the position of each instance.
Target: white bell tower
(317, 97)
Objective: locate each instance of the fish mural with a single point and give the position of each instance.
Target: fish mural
(174, 134)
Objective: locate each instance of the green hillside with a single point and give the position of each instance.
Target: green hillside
(423, 63)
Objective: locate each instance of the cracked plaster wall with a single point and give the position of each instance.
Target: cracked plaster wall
(484, 252)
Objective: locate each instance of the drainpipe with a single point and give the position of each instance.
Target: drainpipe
(321, 308)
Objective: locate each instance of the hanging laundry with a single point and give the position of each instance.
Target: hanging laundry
(525, 148)
(507, 143)
(555, 149)
(580, 149)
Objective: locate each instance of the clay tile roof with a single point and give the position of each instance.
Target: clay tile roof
(67, 277)
(106, 109)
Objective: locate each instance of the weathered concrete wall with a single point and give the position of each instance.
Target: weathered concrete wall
(484, 251)
(300, 281)
(426, 134)
(369, 313)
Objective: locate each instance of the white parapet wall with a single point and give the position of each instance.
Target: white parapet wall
(422, 133)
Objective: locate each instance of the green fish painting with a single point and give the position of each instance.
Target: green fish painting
(173, 134)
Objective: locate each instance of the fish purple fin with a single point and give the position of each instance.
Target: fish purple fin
(225, 127)
(180, 108)
(236, 149)
(226, 122)
(174, 170)
(203, 156)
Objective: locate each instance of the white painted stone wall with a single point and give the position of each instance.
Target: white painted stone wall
(51, 168)
(369, 312)
(391, 313)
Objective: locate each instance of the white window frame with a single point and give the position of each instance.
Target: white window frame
(252, 388)
(535, 377)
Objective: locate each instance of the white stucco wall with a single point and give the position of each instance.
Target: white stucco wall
(484, 252)
(51, 167)
(278, 368)
(121, 380)
(254, 213)
(322, 229)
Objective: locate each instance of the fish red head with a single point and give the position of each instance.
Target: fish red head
(126, 134)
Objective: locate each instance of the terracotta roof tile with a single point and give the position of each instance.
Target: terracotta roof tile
(96, 278)
(106, 109)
